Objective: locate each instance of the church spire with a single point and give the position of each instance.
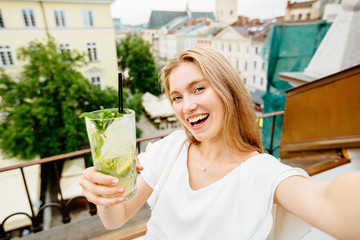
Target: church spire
(188, 12)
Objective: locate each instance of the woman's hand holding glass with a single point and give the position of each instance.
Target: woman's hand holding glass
(97, 187)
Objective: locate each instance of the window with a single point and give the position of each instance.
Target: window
(29, 17)
(59, 16)
(300, 16)
(1, 20)
(256, 50)
(92, 51)
(64, 48)
(88, 18)
(261, 81)
(263, 66)
(245, 66)
(96, 79)
(238, 48)
(7, 56)
(229, 47)
(308, 16)
(254, 64)
(293, 17)
(254, 79)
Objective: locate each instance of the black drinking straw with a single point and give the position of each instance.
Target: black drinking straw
(120, 93)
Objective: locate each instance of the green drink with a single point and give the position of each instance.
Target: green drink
(112, 137)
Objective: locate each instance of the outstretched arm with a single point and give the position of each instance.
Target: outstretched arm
(333, 207)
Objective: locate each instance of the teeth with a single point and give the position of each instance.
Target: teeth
(195, 119)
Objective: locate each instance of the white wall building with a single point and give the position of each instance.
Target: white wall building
(226, 11)
(241, 44)
(184, 33)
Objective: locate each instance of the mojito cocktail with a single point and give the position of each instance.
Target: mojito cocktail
(112, 137)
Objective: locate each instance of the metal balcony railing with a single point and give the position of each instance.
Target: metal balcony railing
(64, 205)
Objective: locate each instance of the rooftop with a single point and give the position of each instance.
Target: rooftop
(294, 5)
(161, 18)
(248, 27)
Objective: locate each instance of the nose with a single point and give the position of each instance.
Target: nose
(189, 107)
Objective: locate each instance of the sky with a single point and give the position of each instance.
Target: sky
(134, 12)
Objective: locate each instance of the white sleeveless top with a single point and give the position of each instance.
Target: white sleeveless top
(238, 206)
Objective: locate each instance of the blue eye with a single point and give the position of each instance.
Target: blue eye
(176, 99)
(199, 89)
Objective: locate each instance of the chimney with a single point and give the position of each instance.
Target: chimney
(238, 21)
(245, 21)
(255, 21)
(288, 4)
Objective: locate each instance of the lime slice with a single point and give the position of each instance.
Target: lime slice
(123, 167)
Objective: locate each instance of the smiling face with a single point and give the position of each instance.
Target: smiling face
(196, 104)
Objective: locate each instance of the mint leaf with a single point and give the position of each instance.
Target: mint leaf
(100, 125)
(98, 142)
(87, 114)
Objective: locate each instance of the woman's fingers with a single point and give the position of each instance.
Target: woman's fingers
(92, 175)
(100, 188)
(139, 167)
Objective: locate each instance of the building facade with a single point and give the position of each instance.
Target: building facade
(226, 11)
(309, 11)
(84, 25)
(241, 44)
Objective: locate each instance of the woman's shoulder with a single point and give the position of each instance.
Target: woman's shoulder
(262, 159)
(266, 166)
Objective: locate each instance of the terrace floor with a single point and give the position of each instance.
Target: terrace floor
(84, 227)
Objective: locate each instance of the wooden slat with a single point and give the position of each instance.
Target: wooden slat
(322, 114)
(314, 165)
(127, 233)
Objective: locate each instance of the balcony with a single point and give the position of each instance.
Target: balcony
(67, 213)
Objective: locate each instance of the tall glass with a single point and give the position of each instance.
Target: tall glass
(113, 149)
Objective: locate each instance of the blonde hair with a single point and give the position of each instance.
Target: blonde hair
(241, 131)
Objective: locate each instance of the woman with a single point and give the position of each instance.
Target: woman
(212, 180)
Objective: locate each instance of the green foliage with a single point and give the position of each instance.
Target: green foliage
(98, 117)
(134, 54)
(41, 108)
(123, 52)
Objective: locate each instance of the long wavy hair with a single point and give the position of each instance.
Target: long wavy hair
(241, 131)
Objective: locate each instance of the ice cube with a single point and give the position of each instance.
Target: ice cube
(118, 137)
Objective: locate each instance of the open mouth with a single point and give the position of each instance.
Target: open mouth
(198, 119)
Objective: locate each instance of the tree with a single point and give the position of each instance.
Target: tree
(122, 52)
(135, 55)
(41, 108)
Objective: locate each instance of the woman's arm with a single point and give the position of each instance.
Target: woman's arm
(116, 213)
(333, 206)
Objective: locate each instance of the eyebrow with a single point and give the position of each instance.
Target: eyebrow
(196, 81)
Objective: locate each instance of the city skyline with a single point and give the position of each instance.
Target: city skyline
(138, 11)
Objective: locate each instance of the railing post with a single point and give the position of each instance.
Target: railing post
(64, 210)
(271, 150)
(34, 220)
(3, 235)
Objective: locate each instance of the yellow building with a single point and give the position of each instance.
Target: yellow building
(84, 25)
